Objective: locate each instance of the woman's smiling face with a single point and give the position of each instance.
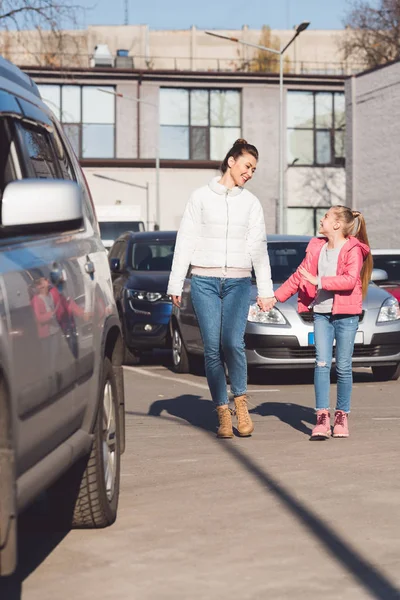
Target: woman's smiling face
(242, 169)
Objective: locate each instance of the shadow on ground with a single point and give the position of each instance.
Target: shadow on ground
(36, 540)
(199, 413)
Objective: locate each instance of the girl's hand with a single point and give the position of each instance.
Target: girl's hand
(311, 278)
(266, 304)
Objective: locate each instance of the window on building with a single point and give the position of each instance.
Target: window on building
(305, 220)
(87, 116)
(198, 124)
(316, 128)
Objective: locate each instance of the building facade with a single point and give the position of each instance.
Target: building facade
(373, 139)
(120, 120)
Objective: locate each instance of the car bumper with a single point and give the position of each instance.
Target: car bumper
(147, 325)
(284, 350)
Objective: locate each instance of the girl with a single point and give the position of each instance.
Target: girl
(332, 281)
(222, 235)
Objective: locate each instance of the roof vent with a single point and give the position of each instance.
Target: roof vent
(123, 60)
(102, 57)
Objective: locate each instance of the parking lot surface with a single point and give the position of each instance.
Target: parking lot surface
(272, 516)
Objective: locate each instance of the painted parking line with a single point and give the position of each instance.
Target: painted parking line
(202, 386)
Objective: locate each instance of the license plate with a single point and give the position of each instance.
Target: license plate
(359, 338)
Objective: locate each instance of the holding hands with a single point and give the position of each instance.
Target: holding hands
(266, 304)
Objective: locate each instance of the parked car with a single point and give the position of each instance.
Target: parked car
(140, 265)
(388, 261)
(61, 385)
(284, 339)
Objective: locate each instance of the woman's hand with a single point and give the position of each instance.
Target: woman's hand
(311, 278)
(176, 301)
(266, 304)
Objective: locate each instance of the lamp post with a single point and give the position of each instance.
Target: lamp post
(280, 53)
(157, 145)
(136, 185)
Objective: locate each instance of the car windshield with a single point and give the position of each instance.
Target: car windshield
(284, 258)
(153, 256)
(389, 263)
(111, 230)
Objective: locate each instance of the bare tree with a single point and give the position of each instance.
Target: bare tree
(37, 27)
(32, 14)
(263, 61)
(372, 32)
(268, 62)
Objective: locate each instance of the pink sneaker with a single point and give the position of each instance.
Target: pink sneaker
(341, 426)
(322, 430)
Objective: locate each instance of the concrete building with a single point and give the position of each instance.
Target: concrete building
(372, 144)
(191, 116)
(315, 51)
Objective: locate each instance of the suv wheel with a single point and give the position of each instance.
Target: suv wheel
(391, 373)
(87, 495)
(180, 357)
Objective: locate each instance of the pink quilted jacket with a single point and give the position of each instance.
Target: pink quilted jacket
(346, 283)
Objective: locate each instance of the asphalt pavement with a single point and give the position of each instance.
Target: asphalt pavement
(273, 516)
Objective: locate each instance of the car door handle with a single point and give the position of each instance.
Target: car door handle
(89, 266)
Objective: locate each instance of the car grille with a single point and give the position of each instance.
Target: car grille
(309, 351)
(308, 317)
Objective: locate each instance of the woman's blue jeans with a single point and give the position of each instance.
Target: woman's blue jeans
(342, 328)
(222, 307)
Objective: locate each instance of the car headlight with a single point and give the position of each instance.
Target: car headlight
(149, 296)
(390, 311)
(273, 317)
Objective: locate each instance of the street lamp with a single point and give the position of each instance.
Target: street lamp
(281, 52)
(157, 146)
(136, 185)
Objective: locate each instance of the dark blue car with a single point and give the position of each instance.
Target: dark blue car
(140, 266)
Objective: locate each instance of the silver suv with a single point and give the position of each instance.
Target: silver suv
(61, 386)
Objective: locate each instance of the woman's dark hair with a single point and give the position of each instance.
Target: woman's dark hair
(239, 147)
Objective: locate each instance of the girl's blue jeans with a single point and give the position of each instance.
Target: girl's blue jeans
(342, 328)
(222, 307)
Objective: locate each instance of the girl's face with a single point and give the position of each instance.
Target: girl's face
(242, 169)
(329, 223)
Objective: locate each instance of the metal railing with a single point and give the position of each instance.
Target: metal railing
(58, 60)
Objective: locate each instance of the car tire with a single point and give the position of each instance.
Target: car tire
(180, 356)
(131, 357)
(87, 495)
(390, 373)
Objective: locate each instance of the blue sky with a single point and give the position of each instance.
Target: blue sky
(214, 14)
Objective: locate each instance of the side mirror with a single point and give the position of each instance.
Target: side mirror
(43, 205)
(115, 265)
(379, 275)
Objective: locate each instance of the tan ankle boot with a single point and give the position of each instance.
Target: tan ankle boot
(245, 425)
(225, 422)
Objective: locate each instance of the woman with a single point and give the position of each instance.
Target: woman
(221, 236)
(332, 281)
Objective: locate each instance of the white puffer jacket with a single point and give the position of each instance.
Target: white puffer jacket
(222, 228)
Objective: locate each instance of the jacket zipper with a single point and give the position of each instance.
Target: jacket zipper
(227, 227)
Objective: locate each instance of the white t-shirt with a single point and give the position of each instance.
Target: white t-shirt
(327, 267)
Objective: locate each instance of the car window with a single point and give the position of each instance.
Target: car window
(284, 258)
(389, 263)
(152, 256)
(7, 167)
(38, 150)
(64, 162)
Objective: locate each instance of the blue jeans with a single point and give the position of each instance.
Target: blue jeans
(342, 328)
(222, 307)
